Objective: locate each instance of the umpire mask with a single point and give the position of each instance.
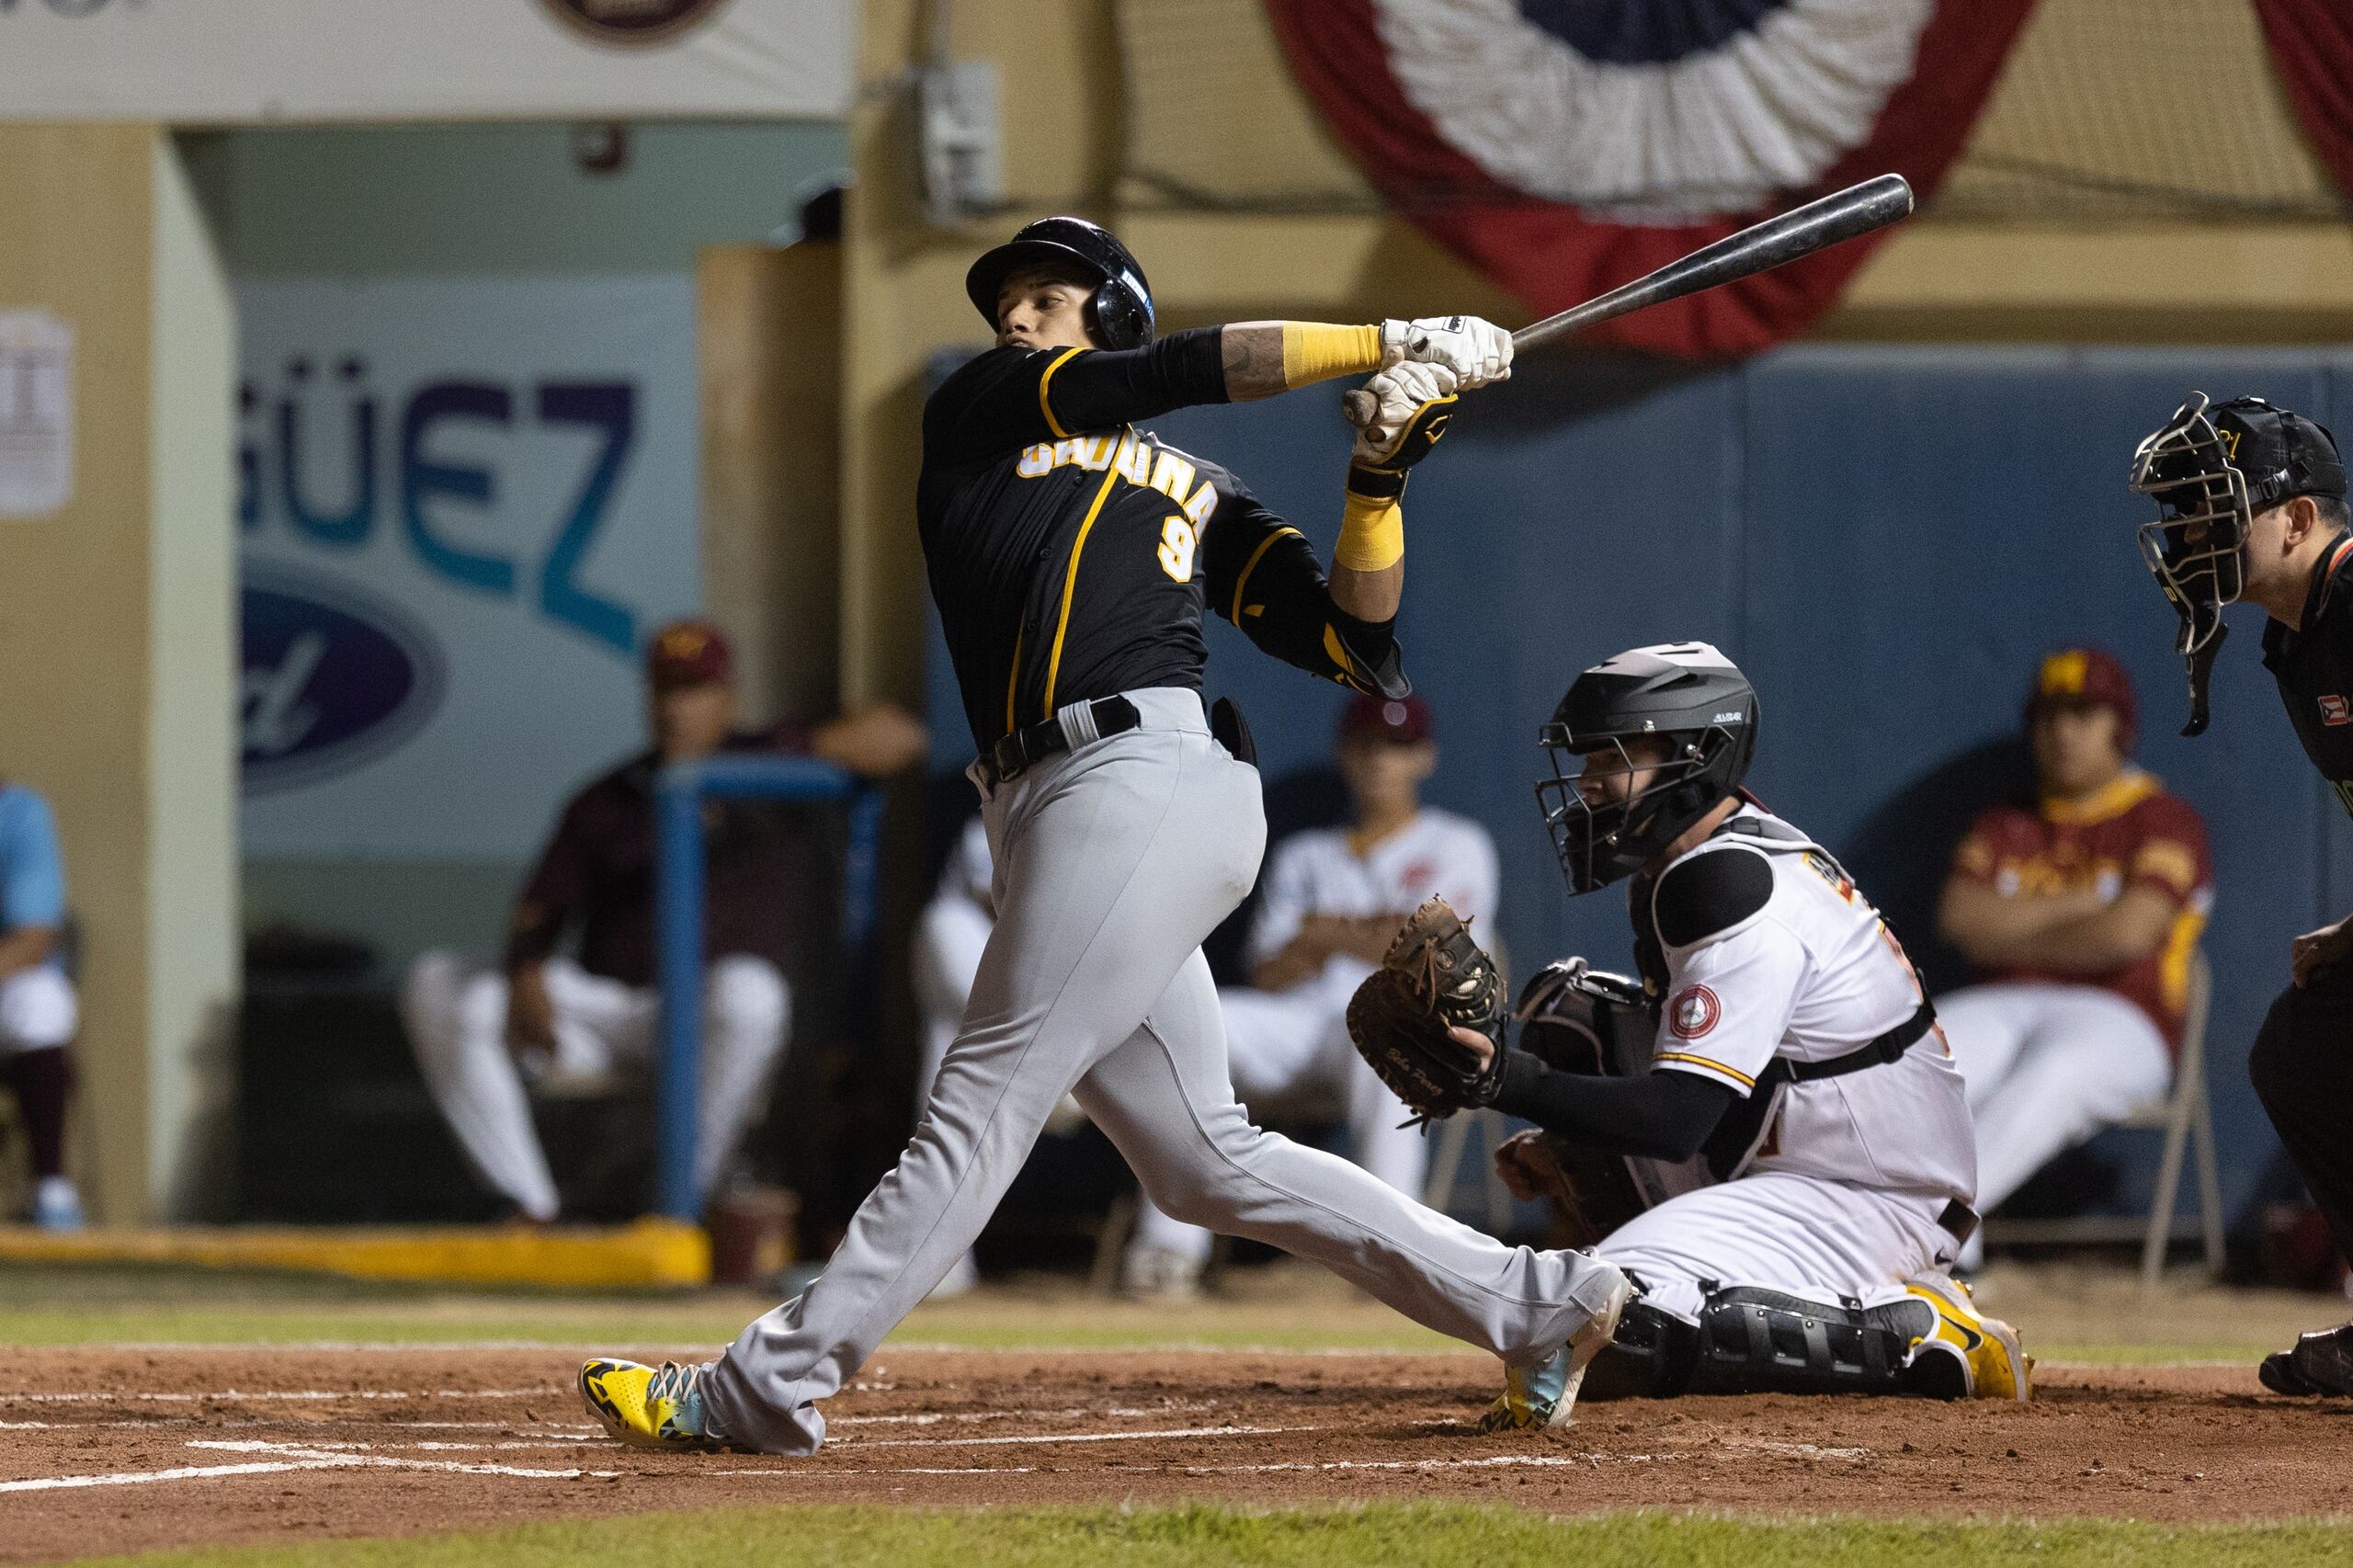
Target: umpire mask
(2210, 469)
(1686, 695)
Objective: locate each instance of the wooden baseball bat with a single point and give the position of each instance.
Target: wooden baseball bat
(1801, 231)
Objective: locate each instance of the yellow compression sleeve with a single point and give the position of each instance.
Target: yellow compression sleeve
(1313, 351)
(1372, 535)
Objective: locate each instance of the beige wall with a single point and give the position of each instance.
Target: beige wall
(114, 631)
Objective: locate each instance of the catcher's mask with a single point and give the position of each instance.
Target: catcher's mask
(2210, 469)
(1685, 694)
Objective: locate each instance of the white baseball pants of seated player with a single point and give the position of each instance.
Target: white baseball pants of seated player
(455, 1010)
(1295, 1042)
(1801, 1234)
(2047, 1064)
(38, 1010)
(1113, 862)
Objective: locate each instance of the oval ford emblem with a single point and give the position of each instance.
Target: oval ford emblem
(633, 22)
(333, 678)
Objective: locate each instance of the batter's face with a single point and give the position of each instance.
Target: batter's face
(2076, 747)
(1384, 778)
(691, 721)
(1043, 308)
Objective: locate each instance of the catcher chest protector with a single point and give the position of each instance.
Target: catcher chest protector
(1584, 1020)
(1714, 891)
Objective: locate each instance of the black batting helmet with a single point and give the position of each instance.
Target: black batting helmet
(1684, 693)
(1120, 311)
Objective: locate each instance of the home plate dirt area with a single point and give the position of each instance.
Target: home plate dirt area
(117, 1450)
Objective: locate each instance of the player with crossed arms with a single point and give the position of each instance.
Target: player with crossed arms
(1072, 553)
(1783, 1038)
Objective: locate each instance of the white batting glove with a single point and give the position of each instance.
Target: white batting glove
(1477, 351)
(1402, 395)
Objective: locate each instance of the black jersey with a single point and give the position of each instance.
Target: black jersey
(2313, 662)
(1071, 553)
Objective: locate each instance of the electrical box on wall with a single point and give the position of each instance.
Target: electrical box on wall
(963, 155)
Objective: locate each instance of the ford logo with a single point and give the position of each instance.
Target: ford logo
(332, 679)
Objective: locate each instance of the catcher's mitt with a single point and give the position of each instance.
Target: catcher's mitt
(1434, 975)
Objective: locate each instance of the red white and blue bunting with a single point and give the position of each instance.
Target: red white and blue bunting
(2312, 46)
(1566, 146)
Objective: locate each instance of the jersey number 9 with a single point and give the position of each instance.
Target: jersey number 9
(1177, 542)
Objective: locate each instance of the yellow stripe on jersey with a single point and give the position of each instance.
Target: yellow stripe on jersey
(1266, 544)
(1070, 575)
(1045, 381)
(1013, 680)
(1712, 1065)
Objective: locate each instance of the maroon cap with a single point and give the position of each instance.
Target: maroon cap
(689, 652)
(2088, 677)
(1400, 719)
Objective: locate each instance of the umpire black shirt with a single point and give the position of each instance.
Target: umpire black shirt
(1071, 553)
(2313, 662)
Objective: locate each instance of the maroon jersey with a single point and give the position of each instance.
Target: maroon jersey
(597, 874)
(2130, 833)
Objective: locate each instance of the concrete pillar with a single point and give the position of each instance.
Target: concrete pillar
(117, 646)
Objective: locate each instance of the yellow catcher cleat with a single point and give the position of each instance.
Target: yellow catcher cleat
(1986, 1348)
(649, 1409)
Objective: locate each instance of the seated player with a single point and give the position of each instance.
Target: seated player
(2083, 913)
(479, 1032)
(1333, 899)
(1794, 1051)
(38, 1009)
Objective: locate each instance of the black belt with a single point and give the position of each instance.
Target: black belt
(1026, 748)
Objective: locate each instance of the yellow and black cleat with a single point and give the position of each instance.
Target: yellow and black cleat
(1996, 1364)
(649, 1408)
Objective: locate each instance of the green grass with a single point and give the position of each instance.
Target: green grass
(1439, 1536)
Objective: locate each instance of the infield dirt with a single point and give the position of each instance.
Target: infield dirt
(116, 1451)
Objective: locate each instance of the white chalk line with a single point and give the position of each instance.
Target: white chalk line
(183, 1472)
(325, 1456)
(436, 1446)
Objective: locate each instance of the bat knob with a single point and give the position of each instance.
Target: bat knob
(1361, 408)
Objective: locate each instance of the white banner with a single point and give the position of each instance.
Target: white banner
(464, 505)
(235, 61)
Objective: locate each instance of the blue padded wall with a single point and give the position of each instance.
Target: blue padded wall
(1886, 539)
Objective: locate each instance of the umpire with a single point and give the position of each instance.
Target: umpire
(2251, 505)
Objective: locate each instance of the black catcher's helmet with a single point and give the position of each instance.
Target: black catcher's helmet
(1685, 693)
(1119, 311)
(2210, 469)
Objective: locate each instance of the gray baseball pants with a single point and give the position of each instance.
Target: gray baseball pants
(1113, 862)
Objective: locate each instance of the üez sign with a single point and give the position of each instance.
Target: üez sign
(392, 466)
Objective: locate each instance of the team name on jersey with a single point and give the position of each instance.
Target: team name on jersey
(1140, 463)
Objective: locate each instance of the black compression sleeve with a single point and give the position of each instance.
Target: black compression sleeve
(1664, 1115)
(1104, 389)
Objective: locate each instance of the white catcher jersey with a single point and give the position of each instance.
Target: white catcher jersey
(1315, 872)
(1809, 973)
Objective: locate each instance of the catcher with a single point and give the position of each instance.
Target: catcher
(1765, 1133)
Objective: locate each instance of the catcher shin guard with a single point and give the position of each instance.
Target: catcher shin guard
(1928, 1341)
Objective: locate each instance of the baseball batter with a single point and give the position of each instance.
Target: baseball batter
(1795, 1050)
(1072, 553)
